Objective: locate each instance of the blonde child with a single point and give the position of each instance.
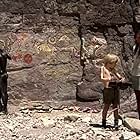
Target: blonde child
(109, 77)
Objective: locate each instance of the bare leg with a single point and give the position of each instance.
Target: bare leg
(104, 114)
(137, 92)
(105, 109)
(116, 114)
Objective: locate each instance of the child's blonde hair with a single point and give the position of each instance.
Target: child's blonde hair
(110, 58)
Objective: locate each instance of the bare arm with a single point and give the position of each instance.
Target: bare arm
(119, 76)
(103, 77)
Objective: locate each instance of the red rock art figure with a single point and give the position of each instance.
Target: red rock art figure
(17, 56)
(27, 58)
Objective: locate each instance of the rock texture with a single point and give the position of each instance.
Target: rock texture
(49, 41)
(132, 124)
(59, 124)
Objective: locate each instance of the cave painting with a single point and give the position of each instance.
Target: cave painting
(94, 51)
(17, 56)
(64, 38)
(27, 58)
(52, 40)
(15, 44)
(22, 37)
(45, 49)
(23, 57)
(22, 46)
(99, 45)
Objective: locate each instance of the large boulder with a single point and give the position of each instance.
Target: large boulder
(133, 124)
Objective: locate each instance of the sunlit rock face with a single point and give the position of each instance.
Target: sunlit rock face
(56, 45)
(44, 66)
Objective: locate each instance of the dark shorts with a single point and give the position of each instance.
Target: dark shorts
(111, 96)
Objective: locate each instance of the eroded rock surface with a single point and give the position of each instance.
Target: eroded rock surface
(58, 125)
(45, 39)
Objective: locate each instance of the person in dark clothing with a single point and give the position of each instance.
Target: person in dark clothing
(136, 70)
(3, 80)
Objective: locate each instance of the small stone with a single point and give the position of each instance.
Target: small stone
(67, 126)
(72, 118)
(48, 123)
(128, 135)
(133, 124)
(86, 119)
(83, 137)
(69, 138)
(136, 138)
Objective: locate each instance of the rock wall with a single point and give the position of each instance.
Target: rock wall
(48, 40)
